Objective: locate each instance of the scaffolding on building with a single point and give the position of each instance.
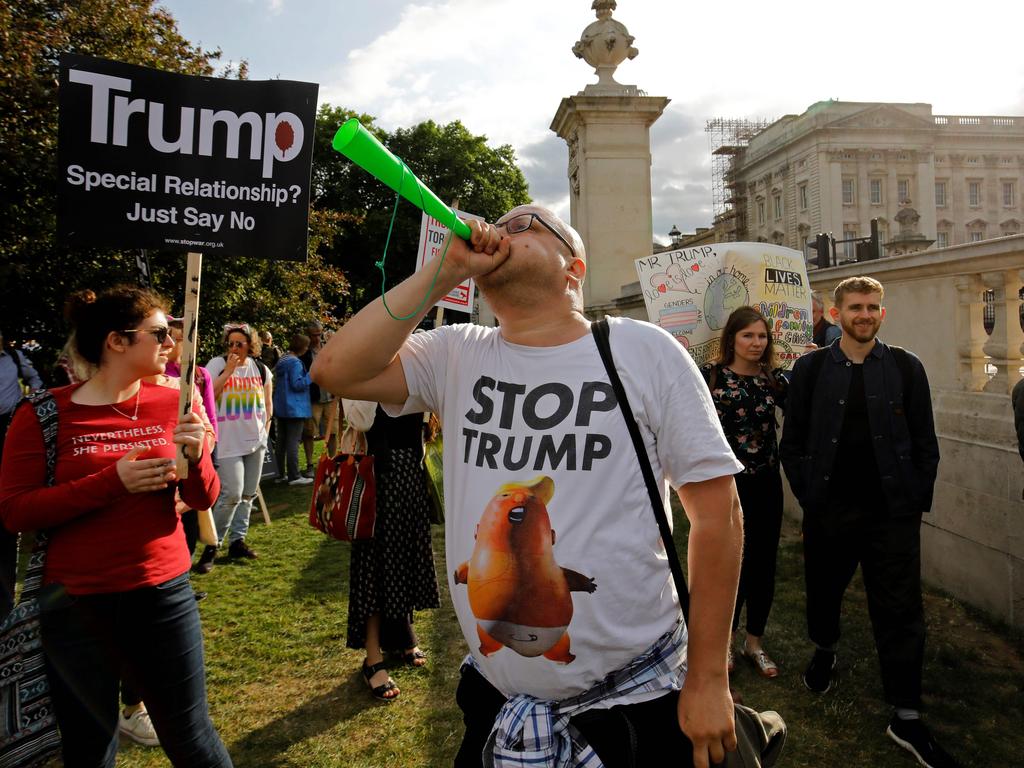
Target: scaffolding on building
(727, 137)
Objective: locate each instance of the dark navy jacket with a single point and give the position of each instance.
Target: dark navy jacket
(906, 448)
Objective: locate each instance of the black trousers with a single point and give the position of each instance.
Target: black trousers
(888, 549)
(625, 736)
(761, 497)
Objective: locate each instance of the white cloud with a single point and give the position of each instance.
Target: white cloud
(502, 67)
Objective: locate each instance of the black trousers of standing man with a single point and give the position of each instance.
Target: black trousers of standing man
(888, 549)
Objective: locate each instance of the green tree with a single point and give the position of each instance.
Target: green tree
(449, 159)
(36, 275)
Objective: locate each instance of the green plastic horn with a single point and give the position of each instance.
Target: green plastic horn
(359, 146)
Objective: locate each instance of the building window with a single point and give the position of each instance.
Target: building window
(849, 249)
(760, 211)
(902, 191)
(974, 193)
(777, 205)
(942, 239)
(1008, 194)
(848, 192)
(975, 237)
(803, 196)
(940, 194)
(875, 189)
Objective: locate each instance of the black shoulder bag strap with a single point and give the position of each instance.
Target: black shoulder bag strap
(600, 330)
(45, 408)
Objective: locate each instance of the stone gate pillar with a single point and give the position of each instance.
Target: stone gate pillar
(607, 127)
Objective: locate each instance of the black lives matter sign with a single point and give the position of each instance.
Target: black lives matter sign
(152, 159)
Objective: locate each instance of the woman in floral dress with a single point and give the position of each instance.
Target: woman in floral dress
(747, 387)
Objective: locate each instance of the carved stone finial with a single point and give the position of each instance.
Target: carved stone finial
(604, 45)
(907, 218)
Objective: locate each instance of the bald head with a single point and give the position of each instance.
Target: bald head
(546, 215)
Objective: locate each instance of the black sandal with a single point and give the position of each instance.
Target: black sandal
(388, 685)
(411, 657)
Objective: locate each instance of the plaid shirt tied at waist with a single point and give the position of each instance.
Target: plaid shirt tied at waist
(533, 733)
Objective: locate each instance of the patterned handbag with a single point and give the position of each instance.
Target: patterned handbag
(28, 725)
(344, 504)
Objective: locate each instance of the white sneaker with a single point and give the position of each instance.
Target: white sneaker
(301, 481)
(138, 728)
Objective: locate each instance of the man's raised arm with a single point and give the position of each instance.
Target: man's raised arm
(360, 361)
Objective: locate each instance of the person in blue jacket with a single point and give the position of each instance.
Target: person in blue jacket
(292, 408)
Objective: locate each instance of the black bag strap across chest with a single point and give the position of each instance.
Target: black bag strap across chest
(601, 332)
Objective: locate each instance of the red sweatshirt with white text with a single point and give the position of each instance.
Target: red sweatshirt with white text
(102, 538)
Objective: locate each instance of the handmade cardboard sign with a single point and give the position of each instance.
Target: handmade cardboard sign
(690, 292)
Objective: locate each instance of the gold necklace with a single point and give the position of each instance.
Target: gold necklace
(138, 399)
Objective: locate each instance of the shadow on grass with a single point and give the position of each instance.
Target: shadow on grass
(327, 571)
(447, 647)
(267, 746)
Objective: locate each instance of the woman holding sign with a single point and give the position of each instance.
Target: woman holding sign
(747, 386)
(117, 596)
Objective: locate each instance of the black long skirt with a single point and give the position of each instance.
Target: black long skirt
(393, 574)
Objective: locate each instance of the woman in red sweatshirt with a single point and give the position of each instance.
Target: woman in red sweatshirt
(117, 596)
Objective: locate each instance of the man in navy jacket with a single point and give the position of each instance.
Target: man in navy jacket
(860, 452)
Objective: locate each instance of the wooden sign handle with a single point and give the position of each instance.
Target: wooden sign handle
(188, 352)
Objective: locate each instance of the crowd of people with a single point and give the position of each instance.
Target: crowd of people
(577, 650)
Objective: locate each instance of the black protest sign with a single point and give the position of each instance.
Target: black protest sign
(152, 159)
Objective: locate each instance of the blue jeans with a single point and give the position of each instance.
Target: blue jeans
(239, 480)
(153, 636)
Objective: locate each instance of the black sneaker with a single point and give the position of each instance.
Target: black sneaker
(914, 737)
(200, 595)
(239, 548)
(818, 675)
(205, 562)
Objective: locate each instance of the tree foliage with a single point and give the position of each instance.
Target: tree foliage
(450, 160)
(36, 274)
(350, 211)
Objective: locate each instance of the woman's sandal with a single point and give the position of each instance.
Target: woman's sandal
(414, 658)
(381, 691)
(763, 663)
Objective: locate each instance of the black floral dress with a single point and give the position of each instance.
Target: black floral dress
(393, 574)
(746, 407)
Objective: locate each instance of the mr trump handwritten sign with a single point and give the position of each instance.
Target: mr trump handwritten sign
(690, 292)
(153, 159)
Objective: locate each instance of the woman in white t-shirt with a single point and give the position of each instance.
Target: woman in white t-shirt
(243, 389)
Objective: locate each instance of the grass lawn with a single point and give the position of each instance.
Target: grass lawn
(284, 690)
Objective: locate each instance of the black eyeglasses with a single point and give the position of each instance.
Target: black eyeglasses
(233, 344)
(522, 222)
(160, 333)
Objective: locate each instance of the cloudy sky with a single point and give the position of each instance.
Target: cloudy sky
(502, 67)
